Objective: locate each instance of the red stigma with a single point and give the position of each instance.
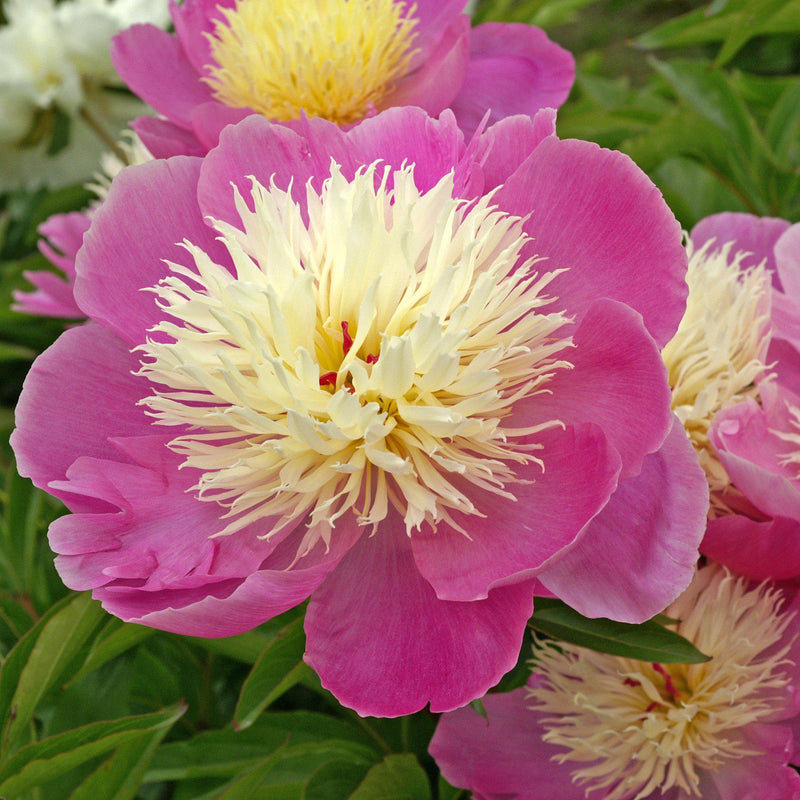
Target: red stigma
(668, 684)
(328, 379)
(631, 682)
(371, 359)
(347, 339)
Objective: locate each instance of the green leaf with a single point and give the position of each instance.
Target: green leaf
(646, 642)
(748, 25)
(448, 792)
(397, 777)
(120, 776)
(115, 638)
(279, 667)
(783, 126)
(43, 761)
(42, 659)
(478, 707)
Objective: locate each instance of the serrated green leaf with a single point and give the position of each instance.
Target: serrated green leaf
(278, 668)
(646, 642)
(397, 777)
(43, 761)
(41, 659)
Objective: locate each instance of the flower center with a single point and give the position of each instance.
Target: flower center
(335, 59)
(634, 728)
(717, 353)
(365, 354)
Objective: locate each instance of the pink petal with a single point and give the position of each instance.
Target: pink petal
(165, 139)
(154, 66)
(269, 151)
(77, 394)
(210, 119)
(383, 643)
(517, 539)
(150, 209)
(506, 144)
(787, 260)
(63, 237)
(502, 756)
(756, 779)
(193, 20)
(639, 553)
(754, 548)
(434, 19)
(756, 235)
(598, 215)
(52, 298)
(513, 69)
(434, 84)
(618, 381)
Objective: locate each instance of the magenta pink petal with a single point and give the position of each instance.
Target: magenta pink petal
(132, 234)
(52, 298)
(434, 19)
(502, 756)
(518, 538)
(614, 360)
(434, 84)
(513, 69)
(62, 238)
(597, 215)
(165, 139)
(154, 66)
(194, 20)
(77, 394)
(639, 553)
(210, 119)
(756, 778)
(267, 150)
(756, 235)
(757, 549)
(505, 145)
(376, 616)
(435, 146)
(787, 261)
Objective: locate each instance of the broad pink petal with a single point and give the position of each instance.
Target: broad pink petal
(434, 84)
(507, 143)
(516, 539)
(752, 455)
(618, 381)
(154, 65)
(132, 234)
(597, 215)
(757, 549)
(269, 151)
(513, 69)
(639, 553)
(193, 20)
(756, 779)
(383, 643)
(502, 756)
(165, 139)
(756, 235)
(210, 119)
(77, 394)
(434, 19)
(787, 261)
(435, 147)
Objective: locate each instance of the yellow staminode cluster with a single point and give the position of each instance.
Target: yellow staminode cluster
(336, 59)
(631, 728)
(365, 358)
(717, 354)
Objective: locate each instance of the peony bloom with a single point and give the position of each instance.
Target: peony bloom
(62, 238)
(378, 367)
(592, 726)
(55, 70)
(735, 371)
(342, 61)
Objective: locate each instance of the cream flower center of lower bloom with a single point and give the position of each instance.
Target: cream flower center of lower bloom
(718, 351)
(633, 728)
(362, 356)
(335, 59)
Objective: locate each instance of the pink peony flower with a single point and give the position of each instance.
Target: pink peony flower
(342, 61)
(591, 726)
(379, 368)
(736, 371)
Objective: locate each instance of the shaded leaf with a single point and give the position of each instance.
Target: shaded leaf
(397, 777)
(646, 642)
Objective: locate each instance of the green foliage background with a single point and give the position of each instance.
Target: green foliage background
(705, 97)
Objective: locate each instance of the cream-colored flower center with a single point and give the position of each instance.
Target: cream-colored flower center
(717, 354)
(633, 728)
(335, 59)
(362, 358)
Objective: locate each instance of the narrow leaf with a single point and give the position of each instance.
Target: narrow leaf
(646, 642)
